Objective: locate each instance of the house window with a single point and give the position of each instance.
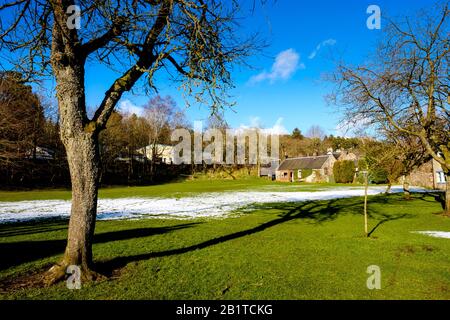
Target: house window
(440, 177)
(299, 174)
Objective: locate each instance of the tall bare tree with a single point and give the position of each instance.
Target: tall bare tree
(161, 114)
(193, 41)
(396, 157)
(136, 137)
(315, 132)
(316, 135)
(404, 88)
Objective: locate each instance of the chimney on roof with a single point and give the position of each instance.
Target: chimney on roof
(286, 155)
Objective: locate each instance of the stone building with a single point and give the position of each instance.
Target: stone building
(429, 175)
(307, 169)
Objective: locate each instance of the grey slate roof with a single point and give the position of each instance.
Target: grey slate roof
(303, 163)
(336, 155)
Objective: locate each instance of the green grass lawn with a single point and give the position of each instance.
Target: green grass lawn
(174, 189)
(313, 250)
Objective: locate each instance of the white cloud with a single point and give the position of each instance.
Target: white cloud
(277, 128)
(255, 122)
(128, 108)
(328, 42)
(285, 65)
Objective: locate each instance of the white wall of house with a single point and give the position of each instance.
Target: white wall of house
(164, 152)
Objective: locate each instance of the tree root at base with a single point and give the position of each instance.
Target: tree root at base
(59, 272)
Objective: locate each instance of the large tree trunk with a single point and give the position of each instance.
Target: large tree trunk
(80, 139)
(83, 159)
(82, 153)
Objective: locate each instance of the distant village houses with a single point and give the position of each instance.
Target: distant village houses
(320, 169)
(269, 170)
(312, 168)
(163, 153)
(429, 175)
(307, 169)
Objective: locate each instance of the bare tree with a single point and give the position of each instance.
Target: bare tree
(136, 136)
(112, 142)
(404, 88)
(193, 41)
(315, 132)
(162, 115)
(217, 120)
(396, 157)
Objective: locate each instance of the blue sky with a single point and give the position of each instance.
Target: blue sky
(284, 87)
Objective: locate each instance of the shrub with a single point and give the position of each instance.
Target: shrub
(362, 164)
(337, 171)
(378, 175)
(344, 171)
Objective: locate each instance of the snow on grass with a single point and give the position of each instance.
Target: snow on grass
(202, 205)
(436, 234)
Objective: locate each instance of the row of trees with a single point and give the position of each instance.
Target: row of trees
(21, 119)
(26, 129)
(126, 133)
(29, 125)
(32, 153)
(314, 142)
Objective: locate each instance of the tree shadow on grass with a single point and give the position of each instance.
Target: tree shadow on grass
(315, 212)
(433, 196)
(33, 227)
(388, 217)
(16, 253)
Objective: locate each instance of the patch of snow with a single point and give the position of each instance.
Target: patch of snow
(436, 234)
(202, 205)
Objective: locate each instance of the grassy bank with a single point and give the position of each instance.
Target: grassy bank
(312, 250)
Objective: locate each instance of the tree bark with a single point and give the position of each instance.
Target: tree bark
(406, 192)
(80, 139)
(83, 159)
(366, 187)
(388, 189)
